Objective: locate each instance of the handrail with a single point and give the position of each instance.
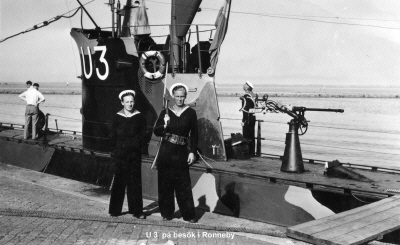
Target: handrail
(259, 135)
(198, 52)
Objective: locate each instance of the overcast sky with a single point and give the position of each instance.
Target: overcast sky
(325, 42)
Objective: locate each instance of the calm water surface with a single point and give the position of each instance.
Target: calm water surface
(366, 133)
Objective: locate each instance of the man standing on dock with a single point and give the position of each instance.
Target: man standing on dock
(33, 98)
(128, 130)
(249, 119)
(178, 127)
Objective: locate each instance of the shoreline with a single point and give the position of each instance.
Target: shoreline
(229, 94)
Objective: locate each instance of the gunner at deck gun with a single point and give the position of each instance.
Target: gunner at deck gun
(252, 104)
(249, 119)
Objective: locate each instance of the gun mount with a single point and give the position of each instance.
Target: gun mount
(292, 157)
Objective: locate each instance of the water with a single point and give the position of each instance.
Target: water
(366, 133)
(316, 90)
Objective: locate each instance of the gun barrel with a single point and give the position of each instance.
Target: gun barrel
(301, 108)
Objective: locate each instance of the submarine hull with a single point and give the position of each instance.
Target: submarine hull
(229, 188)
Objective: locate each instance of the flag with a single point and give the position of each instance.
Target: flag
(222, 26)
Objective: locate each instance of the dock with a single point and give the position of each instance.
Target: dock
(356, 226)
(39, 208)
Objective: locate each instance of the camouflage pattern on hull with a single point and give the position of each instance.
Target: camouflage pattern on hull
(226, 193)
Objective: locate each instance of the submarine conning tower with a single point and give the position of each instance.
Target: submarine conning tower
(112, 61)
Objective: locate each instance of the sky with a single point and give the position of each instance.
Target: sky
(297, 42)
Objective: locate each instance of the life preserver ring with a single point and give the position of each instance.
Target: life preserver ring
(161, 60)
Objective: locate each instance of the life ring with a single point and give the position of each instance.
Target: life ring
(161, 60)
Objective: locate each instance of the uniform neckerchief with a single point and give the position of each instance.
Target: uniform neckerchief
(121, 113)
(250, 93)
(178, 114)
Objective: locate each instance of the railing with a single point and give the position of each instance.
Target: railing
(258, 137)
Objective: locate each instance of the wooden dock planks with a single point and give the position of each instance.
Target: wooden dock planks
(355, 226)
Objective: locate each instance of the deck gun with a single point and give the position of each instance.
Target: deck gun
(297, 112)
(292, 158)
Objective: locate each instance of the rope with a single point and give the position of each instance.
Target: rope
(233, 119)
(10, 114)
(319, 126)
(43, 105)
(41, 25)
(125, 220)
(306, 17)
(335, 147)
(359, 199)
(206, 163)
(80, 120)
(68, 118)
(327, 146)
(46, 23)
(209, 158)
(379, 243)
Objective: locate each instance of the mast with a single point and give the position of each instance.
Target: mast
(175, 41)
(111, 3)
(182, 15)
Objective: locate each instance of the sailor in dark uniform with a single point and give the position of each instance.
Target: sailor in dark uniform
(127, 138)
(249, 118)
(177, 152)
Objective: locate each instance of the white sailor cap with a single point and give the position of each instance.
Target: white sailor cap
(126, 92)
(250, 84)
(171, 90)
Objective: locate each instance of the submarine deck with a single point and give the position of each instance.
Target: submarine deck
(384, 181)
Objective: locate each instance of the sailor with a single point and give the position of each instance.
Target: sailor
(249, 119)
(41, 117)
(33, 98)
(127, 139)
(178, 127)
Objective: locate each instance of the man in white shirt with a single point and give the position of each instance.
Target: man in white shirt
(33, 98)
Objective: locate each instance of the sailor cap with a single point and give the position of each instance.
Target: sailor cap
(126, 92)
(250, 84)
(171, 90)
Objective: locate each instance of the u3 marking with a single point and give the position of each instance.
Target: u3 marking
(88, 75)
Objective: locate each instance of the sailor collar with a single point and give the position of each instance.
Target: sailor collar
(250, 93)
(121, 113)
(178, 114)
